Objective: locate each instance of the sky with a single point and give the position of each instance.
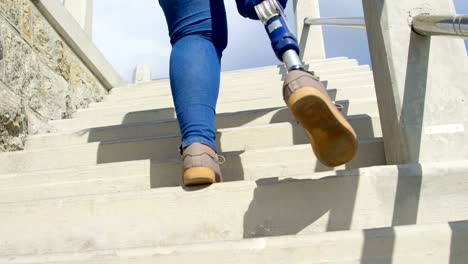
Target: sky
(135, 32)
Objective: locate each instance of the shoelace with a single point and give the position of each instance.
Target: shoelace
(220, 158)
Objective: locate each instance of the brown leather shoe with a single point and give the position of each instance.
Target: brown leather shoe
(333, 140)
(200, 166)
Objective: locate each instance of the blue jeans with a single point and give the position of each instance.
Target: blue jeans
(198, 31)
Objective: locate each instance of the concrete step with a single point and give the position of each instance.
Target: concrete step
(162, 87)
(270, 90)
(85, 180)
(322, 70)
(232, 96)
(366, 126)
(229, 75)
(343, 94)
(109, 118)
(432, 244)
(339, 70)
(224, 93)
(319, 66)
(155, 148)
(139, 175)
(282, 162)
(377, 197)
(337, 62)
(250, 84)
(329, 74)
(232, 106)
(135, 93)
(75, 124)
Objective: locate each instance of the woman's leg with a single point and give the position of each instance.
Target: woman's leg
(198, 34)
(195, 77)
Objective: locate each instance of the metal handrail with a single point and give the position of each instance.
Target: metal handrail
(425, 24)
(348, 22)
(430, 25)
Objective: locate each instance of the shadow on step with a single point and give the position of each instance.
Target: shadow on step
(328, 204)
(288, 209)
(361, 123)
(408, 189)
(458, 245)
(165, 170)
(139, 141)
(405, 212)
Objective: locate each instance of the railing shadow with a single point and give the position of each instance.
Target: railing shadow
(458, 243)
(296, 205)
(408, 189)
(290, 207)
(405, 212)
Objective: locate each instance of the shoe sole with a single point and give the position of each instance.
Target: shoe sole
(333, 139)
(199, 176)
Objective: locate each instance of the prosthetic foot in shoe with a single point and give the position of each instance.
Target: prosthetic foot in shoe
(333, 140)
(200, 166)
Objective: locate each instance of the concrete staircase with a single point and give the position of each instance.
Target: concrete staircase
(105, 188)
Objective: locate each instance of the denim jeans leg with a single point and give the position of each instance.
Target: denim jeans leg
(198, 32)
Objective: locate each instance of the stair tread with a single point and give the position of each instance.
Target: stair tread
(146, 148)
(409, 244)
(226, 107)
(366, 126)
(137, 113)
(365, 198)
(249, 165)
(248, 71)
(105, 186)
(233, 96)
(341, 81)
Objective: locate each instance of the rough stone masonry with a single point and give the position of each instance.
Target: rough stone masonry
(41, 79)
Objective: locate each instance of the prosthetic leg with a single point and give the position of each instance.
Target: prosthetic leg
(283, 42)
(333, 140)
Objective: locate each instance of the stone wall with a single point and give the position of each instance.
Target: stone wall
(41, 79)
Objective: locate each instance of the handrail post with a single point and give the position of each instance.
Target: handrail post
(310, 38)
(421, 83)
(82, 11)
